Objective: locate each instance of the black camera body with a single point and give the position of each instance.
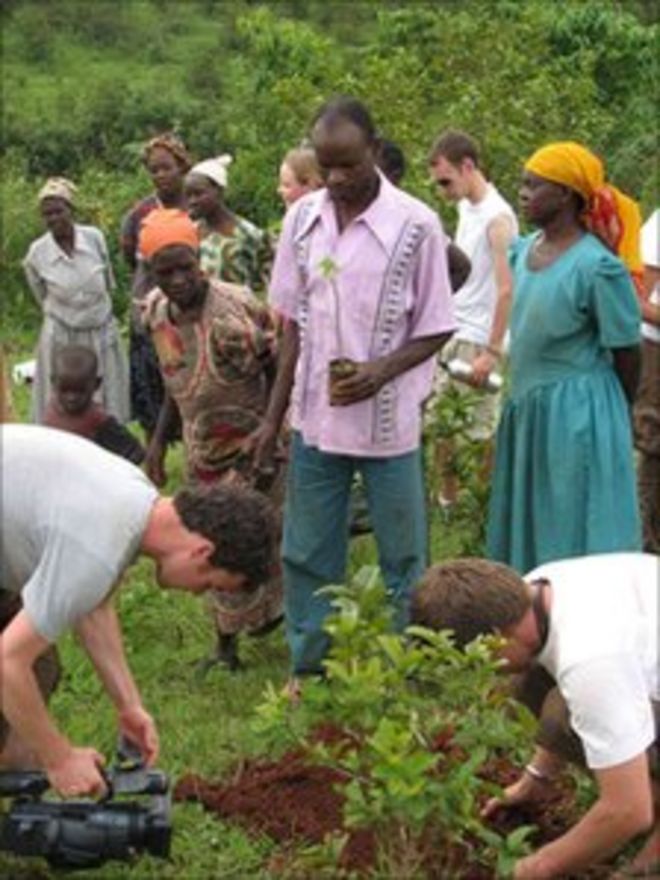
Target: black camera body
(85, 834)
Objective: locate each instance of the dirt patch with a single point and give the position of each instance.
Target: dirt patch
(295, 802)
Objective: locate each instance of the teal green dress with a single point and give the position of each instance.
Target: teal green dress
(563, 482)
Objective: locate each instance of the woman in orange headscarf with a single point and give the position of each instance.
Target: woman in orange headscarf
(564, 482)
(216, 346)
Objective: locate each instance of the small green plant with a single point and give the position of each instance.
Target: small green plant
(330, 271)
(453, 417)
(408, 721)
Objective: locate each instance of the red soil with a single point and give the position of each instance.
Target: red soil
(295, 802)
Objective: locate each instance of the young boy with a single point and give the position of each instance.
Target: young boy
(72, 406)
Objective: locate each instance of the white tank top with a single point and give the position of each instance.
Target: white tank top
(474, 302)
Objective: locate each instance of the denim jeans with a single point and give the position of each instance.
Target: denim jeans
(315, 541)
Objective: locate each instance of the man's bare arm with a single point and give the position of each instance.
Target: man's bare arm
(71, 771)
(623, 810)
(261, 443)
(500, 235)
(100, 634)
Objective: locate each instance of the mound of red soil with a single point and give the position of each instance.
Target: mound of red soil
(295, 802)
(289, 800)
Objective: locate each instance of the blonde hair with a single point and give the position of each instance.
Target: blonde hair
(302, 161)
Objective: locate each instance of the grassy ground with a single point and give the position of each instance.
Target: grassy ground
(204, 722)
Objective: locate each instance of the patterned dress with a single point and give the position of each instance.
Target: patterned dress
(245, 257)
(216, 369)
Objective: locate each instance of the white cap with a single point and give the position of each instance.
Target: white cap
(214, 169)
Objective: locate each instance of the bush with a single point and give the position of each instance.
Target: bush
(82, 90)
(414, 718)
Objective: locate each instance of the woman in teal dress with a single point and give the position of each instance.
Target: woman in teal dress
(564, 480)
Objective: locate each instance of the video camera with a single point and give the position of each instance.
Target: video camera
(85, 834)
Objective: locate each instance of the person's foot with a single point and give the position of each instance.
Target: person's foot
(292, 690)
(226, 654)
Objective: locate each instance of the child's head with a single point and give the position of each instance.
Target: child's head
(74, 378)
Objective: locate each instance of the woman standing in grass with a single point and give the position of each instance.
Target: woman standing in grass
(69, 272)
(216, 348)
(564, 482)
(167, 161)
(232, 249)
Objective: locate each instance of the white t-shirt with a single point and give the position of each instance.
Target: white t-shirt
(73, 516)
(651, 257)
(602, 650)
(474, 302)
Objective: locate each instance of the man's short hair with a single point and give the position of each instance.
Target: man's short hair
(471, 597)
(347, 109)
(455, 146)
(238, 521)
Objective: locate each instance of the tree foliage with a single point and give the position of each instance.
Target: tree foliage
(85, 85)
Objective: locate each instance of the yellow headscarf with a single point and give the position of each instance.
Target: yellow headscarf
(612, 216)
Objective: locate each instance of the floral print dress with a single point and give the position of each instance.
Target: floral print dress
(217, 368)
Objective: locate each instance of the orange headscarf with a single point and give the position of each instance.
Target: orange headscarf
(612, 216)
(164, 227)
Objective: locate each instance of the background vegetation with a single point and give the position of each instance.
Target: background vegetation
(85, 84)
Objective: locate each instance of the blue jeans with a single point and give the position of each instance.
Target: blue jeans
(315, 540)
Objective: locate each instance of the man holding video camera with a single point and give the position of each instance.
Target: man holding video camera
(74, 518)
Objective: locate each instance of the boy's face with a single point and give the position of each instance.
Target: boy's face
(74, 392)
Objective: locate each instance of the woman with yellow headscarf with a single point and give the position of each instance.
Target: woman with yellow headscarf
(563, 481)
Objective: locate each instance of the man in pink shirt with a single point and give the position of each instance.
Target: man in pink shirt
(360, 277)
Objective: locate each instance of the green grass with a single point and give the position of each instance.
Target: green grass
(204, 721)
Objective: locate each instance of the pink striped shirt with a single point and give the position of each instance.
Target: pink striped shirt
(362, 294)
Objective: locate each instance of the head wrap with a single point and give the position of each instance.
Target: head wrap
(214, 169)
(612, 216)
(58, 188)
(172, 144)
(164, 227)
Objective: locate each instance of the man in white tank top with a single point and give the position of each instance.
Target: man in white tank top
(486, 227)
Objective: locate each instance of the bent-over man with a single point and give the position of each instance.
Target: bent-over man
(585, 632)
(74, 517)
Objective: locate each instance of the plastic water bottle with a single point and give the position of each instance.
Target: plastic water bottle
(462, 371)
